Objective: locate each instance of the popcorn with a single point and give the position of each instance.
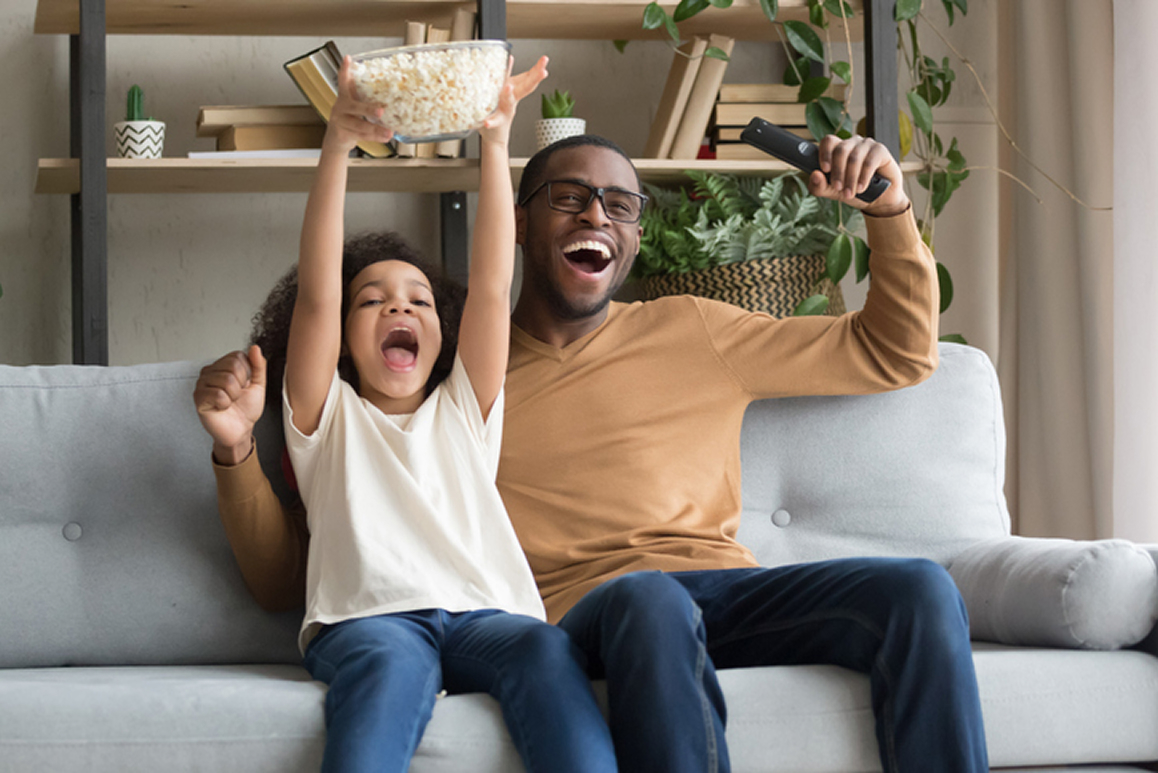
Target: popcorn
(433, 92)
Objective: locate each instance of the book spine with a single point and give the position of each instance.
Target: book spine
(672, 103)
(694, 124)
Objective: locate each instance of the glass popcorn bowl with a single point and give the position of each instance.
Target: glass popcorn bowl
(436, 91)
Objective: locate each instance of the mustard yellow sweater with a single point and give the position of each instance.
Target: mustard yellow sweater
(621, 450)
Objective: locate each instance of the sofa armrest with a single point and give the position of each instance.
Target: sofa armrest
(1058, 593)
(1150, 643)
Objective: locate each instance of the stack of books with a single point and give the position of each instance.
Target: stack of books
(739, 103)
(256, 130)
(685, 106)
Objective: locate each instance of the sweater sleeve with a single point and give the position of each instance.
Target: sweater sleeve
(269, 539)
(890, 343)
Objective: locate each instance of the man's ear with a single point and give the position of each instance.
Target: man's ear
(521, 225)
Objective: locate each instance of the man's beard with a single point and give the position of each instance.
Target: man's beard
(562, 308)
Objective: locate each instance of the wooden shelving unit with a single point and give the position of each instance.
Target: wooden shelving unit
(180, 175)
(88, 22)
(537, 19)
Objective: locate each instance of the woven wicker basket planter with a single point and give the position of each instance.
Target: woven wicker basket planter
(774, 286)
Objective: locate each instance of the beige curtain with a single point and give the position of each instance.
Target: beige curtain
(1135, 270)
(1056, 352)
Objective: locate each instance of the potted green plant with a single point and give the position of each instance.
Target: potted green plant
(558, 119)
(762, 244)
(137, 136)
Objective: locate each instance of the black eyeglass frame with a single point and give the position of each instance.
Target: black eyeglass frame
(595, 192)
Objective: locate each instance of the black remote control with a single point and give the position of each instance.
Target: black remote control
(799, 152)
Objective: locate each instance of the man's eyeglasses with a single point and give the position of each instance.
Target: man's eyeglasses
(574, 197)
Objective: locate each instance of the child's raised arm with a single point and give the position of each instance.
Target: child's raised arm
(483, 339)
(315, 337)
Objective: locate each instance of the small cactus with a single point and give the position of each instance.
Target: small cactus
(558, 105)
(135, 109)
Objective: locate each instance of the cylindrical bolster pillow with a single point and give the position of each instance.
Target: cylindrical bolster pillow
(1058, 593)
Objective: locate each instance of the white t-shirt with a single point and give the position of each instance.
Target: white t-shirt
(403, 511)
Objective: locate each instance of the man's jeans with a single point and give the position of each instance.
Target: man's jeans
(658, 638)
(384, 673)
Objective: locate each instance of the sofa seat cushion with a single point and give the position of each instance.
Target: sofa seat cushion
(220, 718)
(1042, 707)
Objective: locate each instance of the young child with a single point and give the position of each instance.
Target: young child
(415, 579)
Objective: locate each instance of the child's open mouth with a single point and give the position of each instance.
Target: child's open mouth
(589, 257)
(400, 349)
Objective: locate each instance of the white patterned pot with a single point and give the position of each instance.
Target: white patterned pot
(140, 139)
(548, 130)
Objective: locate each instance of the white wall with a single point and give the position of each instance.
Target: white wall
(187, 272)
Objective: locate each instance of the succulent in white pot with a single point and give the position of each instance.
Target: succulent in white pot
(558, 121)
(137, 136)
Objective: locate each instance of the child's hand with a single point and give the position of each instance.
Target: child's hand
(350, 120)
(497, 127)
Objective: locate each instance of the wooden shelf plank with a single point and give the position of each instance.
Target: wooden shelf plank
(539, 19)
(183, 175)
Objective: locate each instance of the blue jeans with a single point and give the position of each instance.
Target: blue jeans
(384, 673)
(658, 637)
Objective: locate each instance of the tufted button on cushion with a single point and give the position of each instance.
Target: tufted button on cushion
(781, 518)
(72, 532)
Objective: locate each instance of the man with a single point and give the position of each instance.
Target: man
(621, 472)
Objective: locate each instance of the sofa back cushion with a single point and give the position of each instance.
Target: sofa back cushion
(111, 549)
(915, 472)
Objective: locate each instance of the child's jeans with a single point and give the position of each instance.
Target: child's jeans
(384, 673)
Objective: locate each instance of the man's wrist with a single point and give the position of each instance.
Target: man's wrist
(228, 456)
(893, 211)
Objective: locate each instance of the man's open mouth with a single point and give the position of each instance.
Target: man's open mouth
(590, 257)
(400, 348)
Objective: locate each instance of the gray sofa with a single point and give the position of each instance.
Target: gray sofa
(128, 641)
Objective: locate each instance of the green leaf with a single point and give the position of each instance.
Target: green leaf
(805, 40)
(833, 110)
(861, 258)
(954, 157)
(839, 8)
(770, 8)
(653, 16)
(839, 258)
(716, 53)
(796, 71)
(816, 15)
(620, 45)
(817, 120)
(720, 3)
(811, 306)
(813, 88)
(948, 10)
(907, 9)
(842, 70)
(922, 115)
(946, 283)
(1, 291)
(688, 8)
(953, 338)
